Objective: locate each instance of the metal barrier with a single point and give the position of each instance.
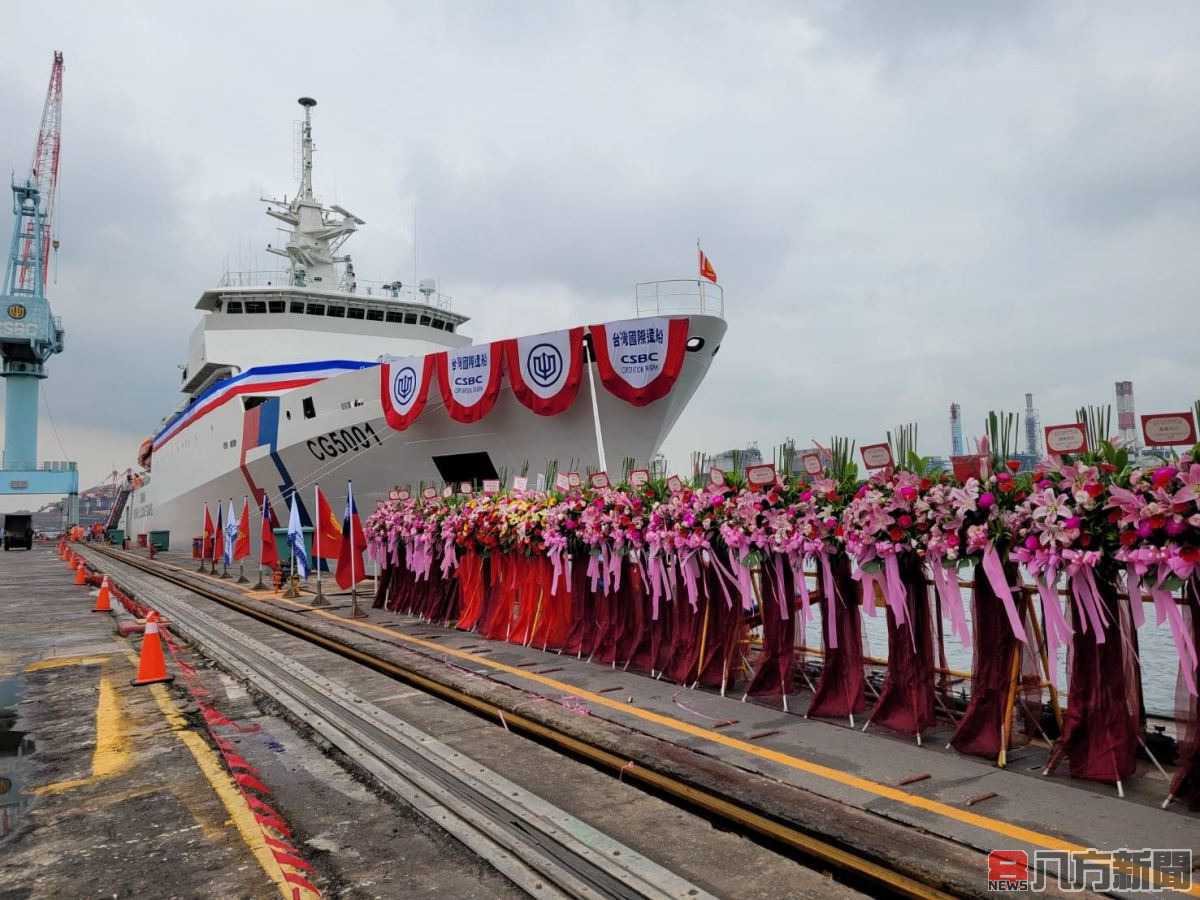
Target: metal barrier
(676, 296)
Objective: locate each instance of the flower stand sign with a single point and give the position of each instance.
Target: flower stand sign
(1169, 429)
(1070, 438)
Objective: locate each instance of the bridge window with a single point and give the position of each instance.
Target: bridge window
(233, 306)
(297, 307)
(338, 312)
(316, 309)
(256, 306)
(424, 320)
(410, 318)
(395, 317)
(355, 312)
(276, 306)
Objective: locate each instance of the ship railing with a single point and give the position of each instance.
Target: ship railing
(382, 290)
(676, 296)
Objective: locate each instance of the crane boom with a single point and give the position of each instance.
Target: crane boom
(44, 175)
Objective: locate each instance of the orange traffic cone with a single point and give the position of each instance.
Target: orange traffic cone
(152, 666)
(80, 577)
(102, 599)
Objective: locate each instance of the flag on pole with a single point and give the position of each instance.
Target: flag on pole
(268, 556)
(350, 566)
(242, 548)
(206, 544)
(706, 266)
(231, 534)
(218, 545)
(327, 534)
(296, 539)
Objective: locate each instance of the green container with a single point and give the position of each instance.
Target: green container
(160, 540)
(116, 536)
(284, 549)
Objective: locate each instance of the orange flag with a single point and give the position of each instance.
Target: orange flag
(328, 541)
(706, 267)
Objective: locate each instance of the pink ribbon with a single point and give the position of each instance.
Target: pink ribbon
(691, 573)
(1088, 604)
(744, 584)
(449, 558)
(894, 593)
(831, 598)
(1168, 610)
(556, 565)
(780, 594)
(945, 579)
(1133, 586)
(994, 569)
(868, 581)
(1057, 628)
(593, 570)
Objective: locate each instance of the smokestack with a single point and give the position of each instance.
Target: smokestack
(956, 434)
(1126, 427)
(1033, 428)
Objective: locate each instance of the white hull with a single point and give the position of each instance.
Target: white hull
(216, 458)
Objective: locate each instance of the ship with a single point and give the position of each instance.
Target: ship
(307, 375)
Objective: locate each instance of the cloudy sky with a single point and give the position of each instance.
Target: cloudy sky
(907, 204)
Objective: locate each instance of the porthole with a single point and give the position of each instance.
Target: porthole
(695, 344)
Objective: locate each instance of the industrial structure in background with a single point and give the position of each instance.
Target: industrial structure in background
(1033, 429)
(29, 333)
(957, 447)
(1126, 420)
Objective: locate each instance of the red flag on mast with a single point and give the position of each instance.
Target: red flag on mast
(327, 543)
(206, 546)
(350, 566)
(706, 266)
(241, 547)
(268, 556)
(218, 538)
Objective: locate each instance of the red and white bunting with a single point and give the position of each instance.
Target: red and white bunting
(470, 380)
(545, 369)
(639, 359)
(404, 387)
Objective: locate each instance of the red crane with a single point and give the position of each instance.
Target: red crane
(45, 174)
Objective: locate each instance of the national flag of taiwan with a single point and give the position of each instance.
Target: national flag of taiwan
(706, 266)
(327, 542)
(268, 555)
(206, 548)
(218, 546)
(350, 568)
(241, 549)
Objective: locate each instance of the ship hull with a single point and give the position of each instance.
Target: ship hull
(340, 434)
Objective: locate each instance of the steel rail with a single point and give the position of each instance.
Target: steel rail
(689, 795)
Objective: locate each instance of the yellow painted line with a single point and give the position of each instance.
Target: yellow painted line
(985, 823)
(112, 755)
(59, 662)
(210, 766)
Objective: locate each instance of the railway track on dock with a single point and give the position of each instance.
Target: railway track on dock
(544, 850)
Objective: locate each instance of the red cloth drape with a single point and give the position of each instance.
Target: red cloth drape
(383, 585)
(499, 598)
(773, 670)
(981, 726)
(581, 639)
(840, 690)
(726, 629)
(906, 702)
(1100, 724)
(470, 589)
(1186, 784)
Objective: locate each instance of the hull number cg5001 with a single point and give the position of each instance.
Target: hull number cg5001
(343, 440)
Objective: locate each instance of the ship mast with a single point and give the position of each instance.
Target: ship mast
(318, 232)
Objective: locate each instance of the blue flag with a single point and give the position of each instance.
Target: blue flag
(296, 540)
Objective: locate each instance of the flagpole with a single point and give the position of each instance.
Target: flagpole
(595, 408)
(212, 559)
(291, 591)
(355, 612)
(319, 599)
(242, 579)
(226, 550)
(203, 536)
(258, 585)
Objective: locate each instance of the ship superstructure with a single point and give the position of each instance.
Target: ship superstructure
(285, 383)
